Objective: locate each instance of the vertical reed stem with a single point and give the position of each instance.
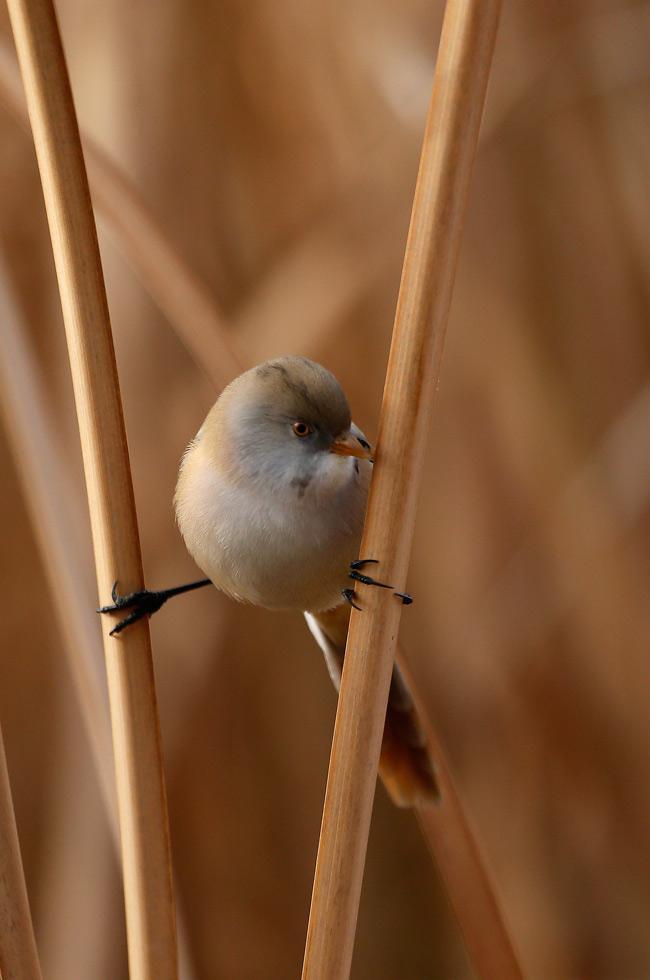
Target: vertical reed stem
(178, 291)
(462, 70)
(52, 499)
(136, 738)
(18, 953)
(456, 852)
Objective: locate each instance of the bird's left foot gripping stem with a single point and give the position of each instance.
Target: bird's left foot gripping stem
(358, 576)
(144, 603)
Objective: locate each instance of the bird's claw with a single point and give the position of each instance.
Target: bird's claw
(350, 595)
(142, 603)
(406, 598)
(358, 576)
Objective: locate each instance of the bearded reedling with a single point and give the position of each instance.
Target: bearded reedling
(270, 501)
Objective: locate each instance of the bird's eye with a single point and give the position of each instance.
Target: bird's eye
(301, 429)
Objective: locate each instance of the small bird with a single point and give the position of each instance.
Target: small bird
(270, 501)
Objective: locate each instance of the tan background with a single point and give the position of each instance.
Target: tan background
(277, 144)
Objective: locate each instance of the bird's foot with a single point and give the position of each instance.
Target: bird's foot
(365, 579)
(350, 595)
(406, 598)
(141, 604)
(358, 576)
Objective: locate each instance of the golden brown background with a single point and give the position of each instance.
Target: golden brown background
(277, 145)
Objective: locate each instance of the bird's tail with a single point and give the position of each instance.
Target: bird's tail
(405, 766)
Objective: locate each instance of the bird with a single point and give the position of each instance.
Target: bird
(270, 502)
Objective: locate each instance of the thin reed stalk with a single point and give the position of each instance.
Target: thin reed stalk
(53, 500)
(456, 852)
(136, 737)
(462, 70)
(177, 291)
(180, 294)
(18, 953)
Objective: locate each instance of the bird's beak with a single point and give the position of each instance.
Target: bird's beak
(350, 447)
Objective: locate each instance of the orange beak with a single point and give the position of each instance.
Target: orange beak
(350, 447)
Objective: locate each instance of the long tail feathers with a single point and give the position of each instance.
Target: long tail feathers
(405, 766)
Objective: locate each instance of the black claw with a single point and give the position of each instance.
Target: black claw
(350, 595)
(143, 603)
(131, 618)
(367, 580)
(405, 597)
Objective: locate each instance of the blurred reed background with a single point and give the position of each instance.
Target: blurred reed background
(277, 145)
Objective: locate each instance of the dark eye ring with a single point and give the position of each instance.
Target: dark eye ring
(301, 429)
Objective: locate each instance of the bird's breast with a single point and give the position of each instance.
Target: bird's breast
(282, 544)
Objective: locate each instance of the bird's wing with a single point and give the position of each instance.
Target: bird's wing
(405, 766)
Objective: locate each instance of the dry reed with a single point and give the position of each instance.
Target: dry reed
(174, 287)
(465, 54)
(192, 313)
(52, 498)
(538, 703)
(18, 953)
(136, 737)
(456, 852)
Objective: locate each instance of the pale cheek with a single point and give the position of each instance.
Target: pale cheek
(335, 473)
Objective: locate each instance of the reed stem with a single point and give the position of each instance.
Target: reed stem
(457, 854)
(451, 135)
(179, 293)
(52, 499)
(18, 953)
(136, 737)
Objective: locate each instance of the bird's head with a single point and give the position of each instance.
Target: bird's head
(286, 420)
